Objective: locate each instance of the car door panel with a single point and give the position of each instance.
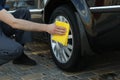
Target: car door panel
(106, 17)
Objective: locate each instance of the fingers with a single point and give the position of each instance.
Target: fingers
(58, 27)
(56, 30)
(60, 30)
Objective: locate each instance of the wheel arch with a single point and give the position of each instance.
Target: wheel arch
(52, 5)
(77, 6)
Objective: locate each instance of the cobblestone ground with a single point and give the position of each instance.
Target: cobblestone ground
(47, 70)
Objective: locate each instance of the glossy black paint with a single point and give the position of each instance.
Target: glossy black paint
(106, 26)
(101, 28)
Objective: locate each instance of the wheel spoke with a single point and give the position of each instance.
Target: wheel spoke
(70, 37)
(67, 52)
(64, 55)
(60, 18)
(70, 46)
(55, 51)
(53, 44)
(58, 56)
(61, 57)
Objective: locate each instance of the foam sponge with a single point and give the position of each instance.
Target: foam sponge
(62, 39)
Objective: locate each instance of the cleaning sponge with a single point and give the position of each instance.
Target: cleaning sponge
(63, 39)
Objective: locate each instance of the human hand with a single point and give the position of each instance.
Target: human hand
(55, 30)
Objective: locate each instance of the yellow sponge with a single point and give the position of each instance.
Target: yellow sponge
(63, 39)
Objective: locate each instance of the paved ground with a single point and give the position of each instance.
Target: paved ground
(102, 67)
(47, 70)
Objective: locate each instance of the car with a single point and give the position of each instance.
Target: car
(94, 28)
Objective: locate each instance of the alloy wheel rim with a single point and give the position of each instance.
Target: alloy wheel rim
(63, 53)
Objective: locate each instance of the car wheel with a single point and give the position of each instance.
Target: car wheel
(66, 57)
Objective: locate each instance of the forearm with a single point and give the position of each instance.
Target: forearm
(29, 26)
(20, 23)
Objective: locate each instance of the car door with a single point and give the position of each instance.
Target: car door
(106, 28)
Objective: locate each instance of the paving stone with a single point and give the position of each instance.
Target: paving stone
(86, 75)
(84, 79)
(70, 73)
(73, 78)
(107, 77)
(56, 77)
(34, 76)
(117, 77)
(51, 78)
(110, 69)
(94, 78)
(6, 78)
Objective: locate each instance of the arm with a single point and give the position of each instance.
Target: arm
(28, 25)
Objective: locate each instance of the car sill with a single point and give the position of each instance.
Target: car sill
(105, 9)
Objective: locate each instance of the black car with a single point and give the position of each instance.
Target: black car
(94, 28)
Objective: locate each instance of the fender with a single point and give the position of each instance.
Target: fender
(85, 15)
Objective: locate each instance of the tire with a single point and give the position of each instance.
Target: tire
(66, 58)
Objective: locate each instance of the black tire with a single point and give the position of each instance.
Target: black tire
(75, 59)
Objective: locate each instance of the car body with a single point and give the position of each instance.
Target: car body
(94, 28)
